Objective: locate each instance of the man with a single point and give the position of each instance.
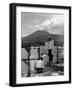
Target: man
(39, 65)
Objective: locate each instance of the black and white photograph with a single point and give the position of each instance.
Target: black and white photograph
(42, 51)
(40, 44)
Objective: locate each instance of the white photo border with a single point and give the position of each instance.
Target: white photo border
(25, 80)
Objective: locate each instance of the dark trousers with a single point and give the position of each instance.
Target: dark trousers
(39, 70)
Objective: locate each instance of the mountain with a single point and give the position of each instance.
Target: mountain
(41, 37)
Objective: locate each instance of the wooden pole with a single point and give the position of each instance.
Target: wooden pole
(57, 55)
(39, 52)
(29, 74)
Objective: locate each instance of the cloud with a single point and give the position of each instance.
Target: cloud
(46, 23)
(54, 25)
(56, 20)
(38, 27)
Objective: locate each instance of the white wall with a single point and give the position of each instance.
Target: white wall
(24, 53)
(4, 45)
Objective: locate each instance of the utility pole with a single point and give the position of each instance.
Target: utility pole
(28, 49)
(39, 51)
(57, 55)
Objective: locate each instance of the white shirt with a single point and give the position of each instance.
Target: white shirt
(39, 64)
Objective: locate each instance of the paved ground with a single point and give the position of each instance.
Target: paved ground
(48, 72)
(54, 70)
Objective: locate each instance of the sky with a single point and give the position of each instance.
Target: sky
(32, 22)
